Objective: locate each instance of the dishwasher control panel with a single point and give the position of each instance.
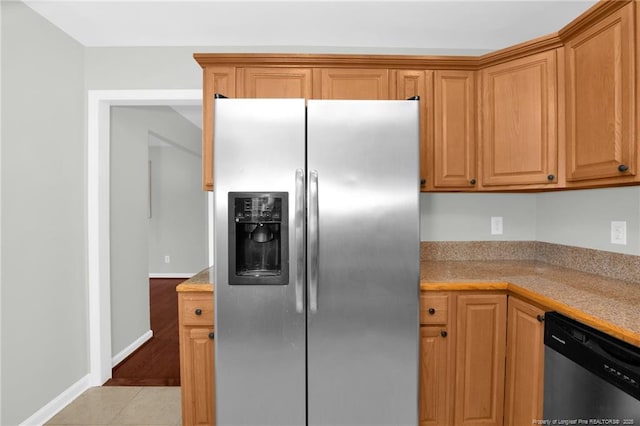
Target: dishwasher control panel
(612, 359)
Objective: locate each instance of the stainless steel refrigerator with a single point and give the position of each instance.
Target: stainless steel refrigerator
(316, 262)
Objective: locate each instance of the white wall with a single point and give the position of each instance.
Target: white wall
(44, 280)
(181, 212)
(178, 226)
(580, 218)
(467, 217)
(583, 218)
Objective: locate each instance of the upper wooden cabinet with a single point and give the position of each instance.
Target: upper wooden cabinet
(519, 144)
(215, 80)
(345, 83)
(408, 83)
(452, 155)
(556, 112)
(274, 83)
(600, 73)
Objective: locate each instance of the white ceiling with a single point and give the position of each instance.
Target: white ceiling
(418, 26)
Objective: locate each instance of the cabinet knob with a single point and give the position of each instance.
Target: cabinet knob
(423, 182)
(212, 335)
(443, 333)
(551, 177)
(472, 181)
(432, 311)
(540, 318)
(198, 311)
(623, 168)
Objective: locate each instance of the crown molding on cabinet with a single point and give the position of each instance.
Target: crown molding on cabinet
(338, 60)
(595, 13)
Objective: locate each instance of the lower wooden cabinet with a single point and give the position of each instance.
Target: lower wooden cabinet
(436, 362)
(195, 318)
(481, 324)
(525, 363)
(481, 359)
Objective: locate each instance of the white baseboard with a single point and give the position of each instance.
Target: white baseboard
(45, 414)
(117, 358)
(172, 274)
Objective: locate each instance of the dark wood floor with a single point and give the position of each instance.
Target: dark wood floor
(157, 362)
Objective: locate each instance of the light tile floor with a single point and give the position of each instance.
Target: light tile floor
(123, 405)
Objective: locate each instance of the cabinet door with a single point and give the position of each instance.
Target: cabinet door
(436, 365)
(525, 363)
(410, 83)
(350, 83)
(454, 148)
(274, 83)
(600, 73)
(519, 133)
(197, 379)
(436, 379)
(480, 350)
(215, 80)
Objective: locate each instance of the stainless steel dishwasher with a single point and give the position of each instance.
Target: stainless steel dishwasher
(590, 377)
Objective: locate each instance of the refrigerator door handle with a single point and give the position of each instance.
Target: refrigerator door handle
(299, 221)
(313, 241)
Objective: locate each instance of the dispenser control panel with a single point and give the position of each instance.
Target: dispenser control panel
(258, 209)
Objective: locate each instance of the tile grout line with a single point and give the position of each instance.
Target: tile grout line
(124, 406)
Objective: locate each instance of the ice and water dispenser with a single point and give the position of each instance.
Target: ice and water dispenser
(258, 238)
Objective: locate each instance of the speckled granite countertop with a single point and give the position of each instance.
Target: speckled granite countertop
(202, 281)
(605, 303)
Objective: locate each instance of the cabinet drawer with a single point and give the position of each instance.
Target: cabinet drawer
(434, 309)
(197, 310)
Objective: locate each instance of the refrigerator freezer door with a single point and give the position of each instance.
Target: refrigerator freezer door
(260, 329)
(362, 334)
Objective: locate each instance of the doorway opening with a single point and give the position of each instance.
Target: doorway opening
(99, 195)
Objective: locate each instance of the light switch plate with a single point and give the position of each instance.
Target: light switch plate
(619, 232)
(496, 225)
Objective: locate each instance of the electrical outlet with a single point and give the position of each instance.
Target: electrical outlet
(619, 232)
(496, 225)
(167, 259)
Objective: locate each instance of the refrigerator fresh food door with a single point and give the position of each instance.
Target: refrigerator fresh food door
(363, 262)
(259, 161)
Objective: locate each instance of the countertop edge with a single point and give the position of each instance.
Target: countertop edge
(186, 287)
(545, 302)
(202, 282)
